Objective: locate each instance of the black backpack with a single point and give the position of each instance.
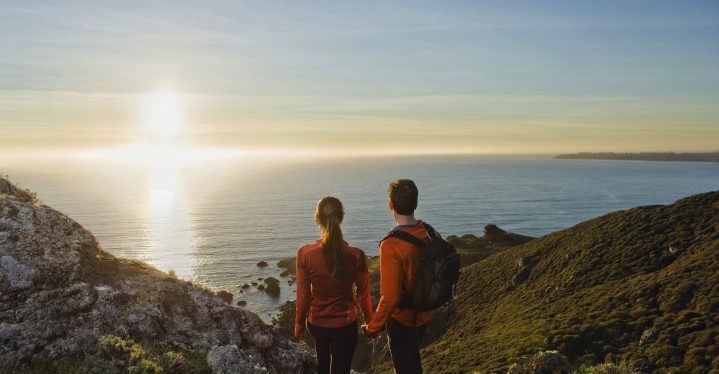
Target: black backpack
(438, 273)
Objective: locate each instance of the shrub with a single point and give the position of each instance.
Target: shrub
(609, 368)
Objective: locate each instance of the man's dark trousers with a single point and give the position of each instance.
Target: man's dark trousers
(404, 347)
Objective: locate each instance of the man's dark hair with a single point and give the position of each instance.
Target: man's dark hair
(403, 195)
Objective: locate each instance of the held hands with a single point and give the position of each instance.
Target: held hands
(371, 335)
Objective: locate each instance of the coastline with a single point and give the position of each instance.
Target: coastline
(642, 156)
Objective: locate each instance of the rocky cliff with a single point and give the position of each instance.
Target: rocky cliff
(60, 293)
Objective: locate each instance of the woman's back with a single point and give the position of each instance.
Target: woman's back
(326, 300)
(332, 278)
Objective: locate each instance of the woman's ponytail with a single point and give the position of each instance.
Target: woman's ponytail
(329, 217)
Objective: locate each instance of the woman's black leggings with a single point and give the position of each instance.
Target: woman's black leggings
(335, 347)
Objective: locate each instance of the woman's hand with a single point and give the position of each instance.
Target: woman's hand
(299, 331)
(370, 335)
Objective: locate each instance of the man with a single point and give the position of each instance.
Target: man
(399, 261)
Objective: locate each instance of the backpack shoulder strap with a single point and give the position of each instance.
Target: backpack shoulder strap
(431, 232)
(402, 235)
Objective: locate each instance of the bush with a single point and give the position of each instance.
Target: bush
(115, 355)
(126, 354)
(609, 368)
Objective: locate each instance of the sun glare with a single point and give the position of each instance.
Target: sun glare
(162, 119)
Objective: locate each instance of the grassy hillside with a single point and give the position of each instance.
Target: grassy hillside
(640, 285)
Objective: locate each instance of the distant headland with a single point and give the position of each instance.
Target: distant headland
(643, 156)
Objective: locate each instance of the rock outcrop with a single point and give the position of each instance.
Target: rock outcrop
(60, 292)
(273, 286)
(225, 296)
(547, 362)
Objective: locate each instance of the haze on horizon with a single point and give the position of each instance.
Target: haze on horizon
(424, 76)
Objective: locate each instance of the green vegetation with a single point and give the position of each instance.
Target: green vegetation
(139, 264)
(610, 368)
(115, 355)
(638, 286)
(644, 156)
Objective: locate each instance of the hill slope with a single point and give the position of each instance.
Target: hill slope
(639, 285)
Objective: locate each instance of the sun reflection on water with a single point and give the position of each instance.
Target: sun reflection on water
(171, 237)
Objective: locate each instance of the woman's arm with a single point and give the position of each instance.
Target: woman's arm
(363, 295)
(304, 294)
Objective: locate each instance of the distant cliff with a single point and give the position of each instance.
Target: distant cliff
(65, 304)
(644, 156)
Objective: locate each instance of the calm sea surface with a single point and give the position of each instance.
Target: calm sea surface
(212, 222)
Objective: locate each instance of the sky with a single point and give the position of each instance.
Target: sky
(418, 76)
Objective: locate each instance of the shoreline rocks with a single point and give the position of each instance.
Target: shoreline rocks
(289, 264)
(273, 287)
(225, 296)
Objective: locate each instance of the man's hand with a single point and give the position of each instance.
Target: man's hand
(371, 335)
(299, 331)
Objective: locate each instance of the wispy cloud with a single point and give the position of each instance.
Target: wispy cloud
(521, 75)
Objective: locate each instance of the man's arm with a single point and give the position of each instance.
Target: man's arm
(391, 275)
(304, 294)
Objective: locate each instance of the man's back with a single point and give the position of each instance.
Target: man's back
(399, 261)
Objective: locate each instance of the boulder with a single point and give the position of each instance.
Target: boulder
(649, 336)
(262, 264)
(225, 296)
(228, 359)
(273, 286)
(289, 264)
(547, 362)
(493, 233)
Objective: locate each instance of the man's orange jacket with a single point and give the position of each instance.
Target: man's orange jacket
(399, 261)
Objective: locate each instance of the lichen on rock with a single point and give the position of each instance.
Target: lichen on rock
(228, 359)
(17, 274)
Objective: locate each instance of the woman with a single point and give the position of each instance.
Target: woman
(332, 278)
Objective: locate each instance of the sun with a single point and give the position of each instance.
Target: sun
(162, 121)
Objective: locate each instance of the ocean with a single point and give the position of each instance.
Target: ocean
(213, 221)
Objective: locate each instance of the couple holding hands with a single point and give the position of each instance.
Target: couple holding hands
(333, 279)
